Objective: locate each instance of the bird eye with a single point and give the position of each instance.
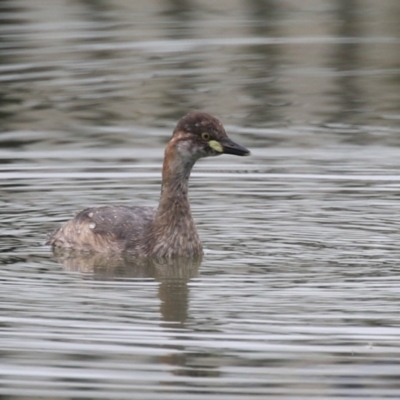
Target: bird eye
(205, 136)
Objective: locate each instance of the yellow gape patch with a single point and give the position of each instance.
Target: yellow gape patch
(216, 146)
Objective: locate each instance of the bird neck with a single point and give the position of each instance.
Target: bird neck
(173, 225)
(174, 201)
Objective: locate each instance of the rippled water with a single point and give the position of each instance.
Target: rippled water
(297, 296)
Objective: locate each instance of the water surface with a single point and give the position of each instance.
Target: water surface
(297, 296)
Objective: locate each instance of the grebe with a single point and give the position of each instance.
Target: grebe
(168, 231)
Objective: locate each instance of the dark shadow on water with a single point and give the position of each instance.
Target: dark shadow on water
(347, 61)
(9, 97)
(261, 84)
(180, 94)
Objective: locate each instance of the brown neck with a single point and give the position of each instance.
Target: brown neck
(173, 226)
(174, 201)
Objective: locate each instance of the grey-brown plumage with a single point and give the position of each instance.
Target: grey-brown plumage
(169, 230)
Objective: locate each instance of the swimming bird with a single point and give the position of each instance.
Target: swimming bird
(168, 230)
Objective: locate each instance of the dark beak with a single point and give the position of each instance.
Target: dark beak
(230, 147)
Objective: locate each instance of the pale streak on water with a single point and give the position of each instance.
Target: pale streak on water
(298, 294)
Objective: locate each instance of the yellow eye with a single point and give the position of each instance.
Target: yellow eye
(205, 136)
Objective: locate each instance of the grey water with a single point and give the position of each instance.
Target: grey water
(298, 293)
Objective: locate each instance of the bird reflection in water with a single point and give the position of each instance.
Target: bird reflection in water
(173, 276)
